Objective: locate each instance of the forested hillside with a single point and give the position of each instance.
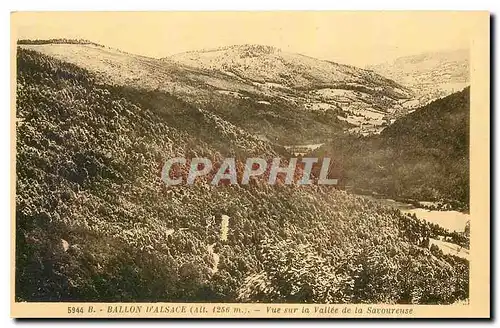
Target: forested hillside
(94, 221)
(421, 156)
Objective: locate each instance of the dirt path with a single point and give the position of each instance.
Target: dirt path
(224, 228)
(215, 257)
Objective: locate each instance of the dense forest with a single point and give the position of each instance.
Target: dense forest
(94, 221)
(421, 156)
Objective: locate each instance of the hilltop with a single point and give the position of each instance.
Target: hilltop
(263, 64)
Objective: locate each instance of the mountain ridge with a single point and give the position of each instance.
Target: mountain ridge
(430, 75)
(421, 156)
(329, 99)
(247, 51)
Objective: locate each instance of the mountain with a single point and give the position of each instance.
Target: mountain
(366, 99)
(421, 156)
(429, 75)
(266, 64)
(264, 90)
(94, 221)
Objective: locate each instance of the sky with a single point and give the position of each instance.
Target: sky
(355, 38)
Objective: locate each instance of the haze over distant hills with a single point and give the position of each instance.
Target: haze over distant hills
(429, 75)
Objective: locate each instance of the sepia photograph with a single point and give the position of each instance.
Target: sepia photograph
(313, 164)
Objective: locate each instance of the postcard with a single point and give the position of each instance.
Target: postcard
(280, 164)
